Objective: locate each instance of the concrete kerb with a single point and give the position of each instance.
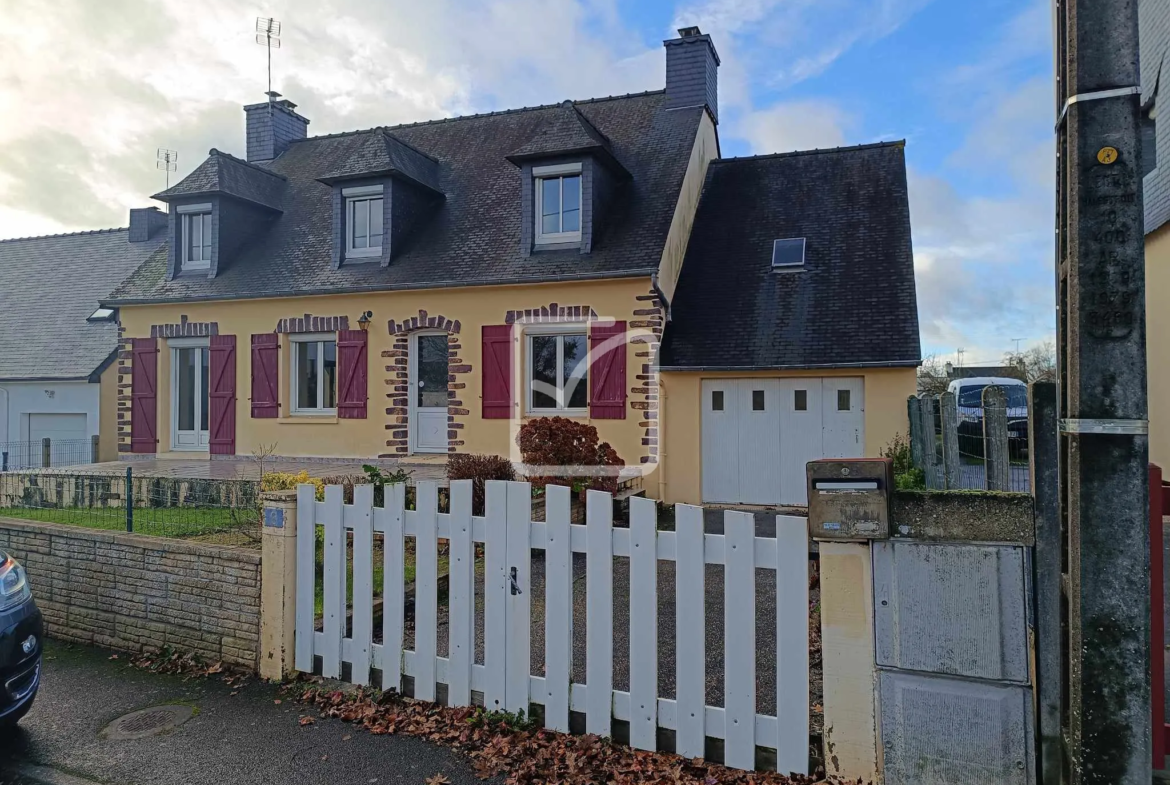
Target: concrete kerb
(278, 583)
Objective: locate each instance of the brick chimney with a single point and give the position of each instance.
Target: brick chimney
(272, 127)
(146, 222)
(692, 71)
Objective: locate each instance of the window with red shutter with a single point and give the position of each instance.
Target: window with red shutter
(144, 395)
(265, 375)
(353, 372)
(607, 371)
(496, 375)
(222, 395)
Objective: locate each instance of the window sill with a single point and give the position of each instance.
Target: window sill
(306, 418)
(556, 245)
(194, 272)
(572, 414)
(363, 253)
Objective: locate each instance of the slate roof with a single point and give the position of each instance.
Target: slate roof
(473, 236)
(852, 304)
(224, 174)
(1154, 40)
(382, 153)
(51, 285)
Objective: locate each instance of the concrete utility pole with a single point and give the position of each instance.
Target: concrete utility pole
(1102, 370)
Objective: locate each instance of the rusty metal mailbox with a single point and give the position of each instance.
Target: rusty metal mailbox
(849, 498)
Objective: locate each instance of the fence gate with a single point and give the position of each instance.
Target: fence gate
(510, 536)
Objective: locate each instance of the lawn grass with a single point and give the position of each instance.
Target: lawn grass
(153, 521)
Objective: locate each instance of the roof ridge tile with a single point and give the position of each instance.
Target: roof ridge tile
(814, 151)
(83, 232)
(221, 154)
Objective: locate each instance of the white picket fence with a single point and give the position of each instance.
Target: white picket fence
(504, 679)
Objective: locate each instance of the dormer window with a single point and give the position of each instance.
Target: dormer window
(558, 203)
(363, 221)
(196, 236)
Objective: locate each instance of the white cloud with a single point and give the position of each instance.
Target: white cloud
(795, 125)
(89, 91)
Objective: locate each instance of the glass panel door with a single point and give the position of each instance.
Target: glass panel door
(190, 402)
(430, 394)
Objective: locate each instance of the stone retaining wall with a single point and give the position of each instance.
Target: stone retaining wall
(133, 593)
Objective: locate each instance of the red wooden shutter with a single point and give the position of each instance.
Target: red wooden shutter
(265, 375)
(497, 372)
(144, 395)
(352, 372)
(222, 395)
(607, 371)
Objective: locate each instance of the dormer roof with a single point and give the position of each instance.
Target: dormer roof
(566, 132)
(225, 175)
(377, 153)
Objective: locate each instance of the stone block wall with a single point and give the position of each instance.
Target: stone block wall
(135, 593)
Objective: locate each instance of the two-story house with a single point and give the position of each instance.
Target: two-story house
(412, 291)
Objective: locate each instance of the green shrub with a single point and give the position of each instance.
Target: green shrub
(907, 476)
(479, 469)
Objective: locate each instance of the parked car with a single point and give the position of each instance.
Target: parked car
(969, 401)
(21, 634)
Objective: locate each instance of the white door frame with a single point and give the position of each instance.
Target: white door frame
(202, 438)
(412, 397)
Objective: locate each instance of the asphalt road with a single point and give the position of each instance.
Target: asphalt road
(244, 739)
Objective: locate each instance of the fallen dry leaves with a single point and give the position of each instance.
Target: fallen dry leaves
(189, 666)
(523, 757)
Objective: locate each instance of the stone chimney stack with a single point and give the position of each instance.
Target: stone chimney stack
(272, 127)
(146, 222)
(692, 71)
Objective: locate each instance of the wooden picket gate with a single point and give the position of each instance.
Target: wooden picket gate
(509, 535)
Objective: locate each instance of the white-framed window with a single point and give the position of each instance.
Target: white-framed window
(363, 221)
(558, 203)
(557, 370)
(195, 227)
(313, 373)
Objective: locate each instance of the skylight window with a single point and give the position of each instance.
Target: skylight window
(101, 315)
(788, 253)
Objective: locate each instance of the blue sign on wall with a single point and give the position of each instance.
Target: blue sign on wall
(274, 517)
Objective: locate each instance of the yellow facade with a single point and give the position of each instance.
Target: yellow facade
(680, 475)
(108, 414)
(1158, 343)
(473, 307)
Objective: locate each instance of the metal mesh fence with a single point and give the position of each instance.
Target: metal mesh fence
(969, 430)
(224, 512)
(46, 453)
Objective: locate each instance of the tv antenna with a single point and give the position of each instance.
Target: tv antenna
(268, 35)
(167, 160)
(959, 355)
(1017, 340)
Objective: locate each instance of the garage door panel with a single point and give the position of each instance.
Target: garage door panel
(759, 441)
(844, 417)
(801, 438)
(68, 440)
(720, 441)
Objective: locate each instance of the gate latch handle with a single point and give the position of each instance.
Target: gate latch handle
(515, 586)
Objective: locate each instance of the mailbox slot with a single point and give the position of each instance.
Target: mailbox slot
(849, 499)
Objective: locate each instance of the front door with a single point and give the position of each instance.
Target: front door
(429, 399)
(189, 397)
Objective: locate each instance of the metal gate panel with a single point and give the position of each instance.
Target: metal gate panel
(951, 609)
(940, 731)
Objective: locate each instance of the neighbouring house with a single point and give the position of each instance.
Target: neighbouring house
(793, 333)
(1154, 30)
(980, 371)
(58, 377)
(413, 291)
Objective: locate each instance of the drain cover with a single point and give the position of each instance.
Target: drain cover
(148, 722)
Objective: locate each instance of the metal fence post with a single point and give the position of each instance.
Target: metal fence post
(1043, 452)
(93, 448)
(913, 413)
(995, 439)
(46, 453)
(129, 499)
(950, 439)
(929, 451)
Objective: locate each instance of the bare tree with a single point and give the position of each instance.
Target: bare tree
(932, 375)
(1037, 363)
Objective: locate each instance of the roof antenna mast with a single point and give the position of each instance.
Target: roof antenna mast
(167, 160)
(268, 35)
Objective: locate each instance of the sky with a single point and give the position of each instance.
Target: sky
(89, 91)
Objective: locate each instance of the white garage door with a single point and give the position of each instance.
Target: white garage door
(69, 441)
(758, 434)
